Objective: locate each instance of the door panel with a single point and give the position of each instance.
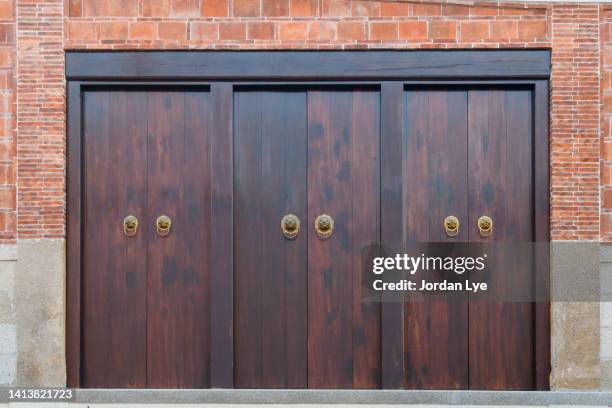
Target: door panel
(178, 186)
(270, 270)
(435, 186)
(298, 319)
(114, 265)
(500, 156)
(343, 182)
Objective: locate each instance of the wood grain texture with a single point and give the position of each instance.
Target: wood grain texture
(542, 234)
(343, 336)
(178, 186)
(500, 153)
(115, 274)
(270, 271)
(222, 224)
(435, 186)
(73, 237)
(393, 148)
(355, 64)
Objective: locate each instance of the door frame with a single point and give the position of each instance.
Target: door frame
(392, 70)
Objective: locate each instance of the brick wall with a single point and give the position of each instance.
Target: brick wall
(8, 173)
(578, 34)
(606, 123)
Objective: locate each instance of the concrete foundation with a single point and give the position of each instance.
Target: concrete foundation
(32, 313)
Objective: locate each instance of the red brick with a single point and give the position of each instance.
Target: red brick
(335, 8)
(351, 31)
(530, 30)
(214, 8)
(81, 31)
(321, 30)
(172, 30)
(503, 29)
(113, 30)
(297, 31)
(142, 30)
(383, 31)
(394, 9)
(7, 198)
(204, 31)
(413, 30)
(274, 8)
(443, 30)
(365, 8)
(246, 8)
(7, 174)
(7, 11)
(425, 9)
(474, 31)
(232, 31)
(304, 8)
(155, 8)
(484, 11)
(185, 8)
(260, 31)
(607, 198)
(102, 8)
(455, 10)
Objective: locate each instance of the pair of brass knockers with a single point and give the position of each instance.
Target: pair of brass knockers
(323, 226)
(163, 224)
(484, 223)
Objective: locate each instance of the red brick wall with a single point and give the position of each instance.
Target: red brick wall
(606, 124)
(8, 171)
(46, 27)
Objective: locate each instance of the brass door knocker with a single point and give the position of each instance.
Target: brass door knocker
(290, 226)
(324, 226)
(451, 225)
(485, 226)
(130, 225)
(163, 225)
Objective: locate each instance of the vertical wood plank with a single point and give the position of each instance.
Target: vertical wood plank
(500, 157)
(393, 358)
(330, 363)
(222, 226)
(73, 237)
(114, 279)
(542, 234)
(435, 186)
(343, 173)
(270, 270)
(365, 203)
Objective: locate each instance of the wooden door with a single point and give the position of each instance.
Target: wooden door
(146, 297)
(469, 153)
(299, 321)
(436, 337)
(270, 319)
(500, 178)
(114, 266)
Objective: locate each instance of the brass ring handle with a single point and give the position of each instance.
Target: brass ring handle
(324, 226)
(290, 226)
(451, 225)
(485, 226)
(163, 224)
(130, 225)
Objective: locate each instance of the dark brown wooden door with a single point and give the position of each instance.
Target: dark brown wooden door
(146, 297)
(299, 320)
(436, 186)
(500, 179)
(469, 153)
(225, 299)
